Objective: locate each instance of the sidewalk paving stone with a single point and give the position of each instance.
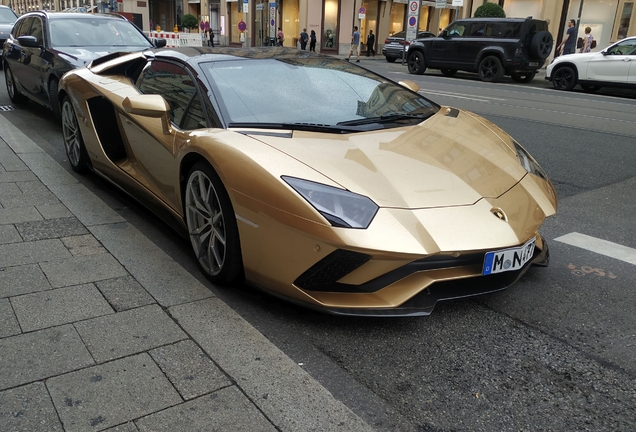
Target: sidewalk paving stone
(53, 211)
(19, 214)
(16, 254)
(82, 269)
(59, 306)
(111, 394)
(167, 281)
(8, 234)
(285, 393)
(130, 332)
(8, 323)
(84, 204)
(214, 412)
(80, 245)
(50, 228)
(126, 427)
(48, 171)
(45, 353)
(28, 199)
(189, 369)
(9, 161)
(28, 408)
(16, 176)
(22, 280)
(124, 293)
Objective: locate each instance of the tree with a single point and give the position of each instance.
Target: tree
(189, 21)
(490, 10)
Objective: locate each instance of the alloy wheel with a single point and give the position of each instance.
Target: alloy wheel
(70, 132)
(206, 224)
(564, 79)
(10, 84)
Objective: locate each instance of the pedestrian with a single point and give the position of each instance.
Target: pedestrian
(280, 37)
(370, 43)
(587, 40)
(304, 38)
(355, 42)
(211, 38)
(312, 41)
(568, 45)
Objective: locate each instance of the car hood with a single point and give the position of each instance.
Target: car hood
(5, 29)
(81, 56)
(444, 161)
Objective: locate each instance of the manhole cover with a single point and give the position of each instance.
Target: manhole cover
(7, 107)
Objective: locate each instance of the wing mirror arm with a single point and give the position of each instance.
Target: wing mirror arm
(153, 106)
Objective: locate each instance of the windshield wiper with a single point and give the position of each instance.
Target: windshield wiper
(383, 119)
(311, 127)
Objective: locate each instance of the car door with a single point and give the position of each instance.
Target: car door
(613, 64)
(153, 158)
(37, 63)
(445, 49)
(15, 53)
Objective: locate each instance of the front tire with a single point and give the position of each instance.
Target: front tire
(54, 101)
(416, 63)
(523, 77)
(564, 78)
(12, 87)
(212, 226)
(491, 69)
(73, 141)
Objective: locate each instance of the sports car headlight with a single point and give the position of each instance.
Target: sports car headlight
(528, 162)
(340, 207)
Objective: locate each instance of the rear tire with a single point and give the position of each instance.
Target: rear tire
(448, 72)
(12, 87)
(416, 63)
(523, 77)
(491, 69)
(564, 78)
(212, 226)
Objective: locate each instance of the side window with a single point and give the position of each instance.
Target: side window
(36, 30)
(176, 86)
(22, 27)
(476, 30)
(456, 29)
(627, 47)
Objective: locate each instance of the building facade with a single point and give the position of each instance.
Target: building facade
(256, 22)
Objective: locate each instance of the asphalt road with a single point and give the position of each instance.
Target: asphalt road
(554, 352)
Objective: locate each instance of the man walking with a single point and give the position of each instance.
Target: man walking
(304, 37)
(355, 44)
(370, 43)
(568, 46)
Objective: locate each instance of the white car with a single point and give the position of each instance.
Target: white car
(615, 66)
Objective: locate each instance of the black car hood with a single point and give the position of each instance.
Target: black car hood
(81, 56)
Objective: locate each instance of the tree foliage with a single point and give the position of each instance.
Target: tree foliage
(189, 21)
(490, 10)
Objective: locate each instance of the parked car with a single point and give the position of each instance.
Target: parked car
(394, 45)
(615, 66)
(370, 200)
(492, 47)
(7, 19)
(43, 46)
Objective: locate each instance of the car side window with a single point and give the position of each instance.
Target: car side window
(22, 27)
(456, 29)
(176, 86)
(627, 47)
(36, 30)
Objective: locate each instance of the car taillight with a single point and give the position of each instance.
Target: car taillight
(386, 41)
(407, 43)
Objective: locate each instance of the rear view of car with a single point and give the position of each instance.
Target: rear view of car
(394, 45)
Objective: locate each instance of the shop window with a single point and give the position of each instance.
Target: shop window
(398, 14)
(330, 25)
(626, 16)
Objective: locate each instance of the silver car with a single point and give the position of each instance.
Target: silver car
(394, 45)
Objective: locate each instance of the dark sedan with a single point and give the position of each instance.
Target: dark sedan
(43, 46)
(394, 45)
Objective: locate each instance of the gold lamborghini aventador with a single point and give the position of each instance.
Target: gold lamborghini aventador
(312, 178)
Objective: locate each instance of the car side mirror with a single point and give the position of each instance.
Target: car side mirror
(411, 85)
(29, 41)
(153, 106)
(444, 34)
(604, 53)
(160, 43)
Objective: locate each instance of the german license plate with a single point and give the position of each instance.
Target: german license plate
(508, 259)
(533, 64)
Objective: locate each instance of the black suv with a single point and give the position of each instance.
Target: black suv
(493, 47)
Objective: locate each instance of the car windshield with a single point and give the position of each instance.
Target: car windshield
(7, 16)
(311, 90)
(103, 32)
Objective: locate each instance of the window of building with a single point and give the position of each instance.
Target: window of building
(330, 25)
(398, 14)
(626, 16)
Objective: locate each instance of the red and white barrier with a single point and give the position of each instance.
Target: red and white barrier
(175, 40)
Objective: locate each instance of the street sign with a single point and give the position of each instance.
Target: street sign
(242, 26)
(440, 4)
(459, 3)
(246, 6)
(260, 6)
(362, 10)
(414, 14)
(272, 20)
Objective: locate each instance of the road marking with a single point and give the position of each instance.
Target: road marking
(462, 95)
(603, 247)
(428, 93)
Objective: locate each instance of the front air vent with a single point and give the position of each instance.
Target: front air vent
(103, 116)
(330, 269)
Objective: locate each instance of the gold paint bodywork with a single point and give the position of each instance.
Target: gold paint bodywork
(452, 172)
